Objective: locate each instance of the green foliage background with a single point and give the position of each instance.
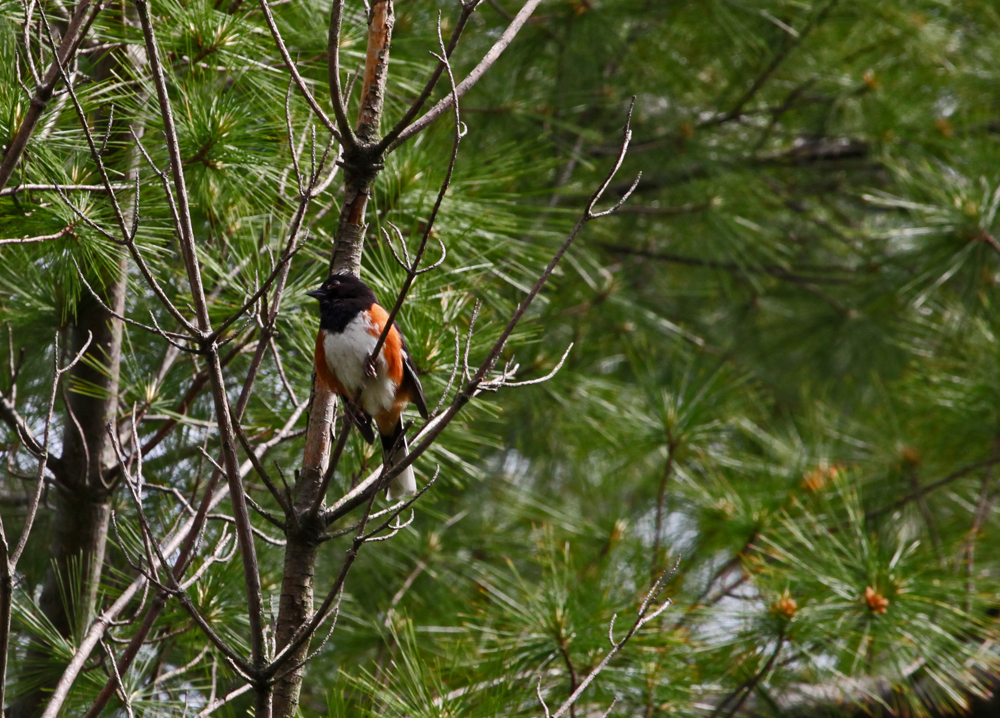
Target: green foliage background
(783, 337)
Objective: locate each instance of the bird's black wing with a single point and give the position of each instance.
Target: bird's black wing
(410, 379)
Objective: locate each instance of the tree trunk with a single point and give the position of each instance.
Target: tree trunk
(82, 498)
(80, 527)
(295, 608)
(361, 169)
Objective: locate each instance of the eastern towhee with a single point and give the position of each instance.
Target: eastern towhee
(351, 321)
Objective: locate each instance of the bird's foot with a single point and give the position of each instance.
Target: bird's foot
(370, 370)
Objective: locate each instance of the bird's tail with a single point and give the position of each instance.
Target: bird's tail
(406, 483)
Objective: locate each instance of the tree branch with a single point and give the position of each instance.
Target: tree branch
(290, 64)
(646, 614)
(347, 137)
(473, 77)
(468, 7)
(83, 17)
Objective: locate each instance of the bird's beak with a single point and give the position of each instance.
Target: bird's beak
(316, 294)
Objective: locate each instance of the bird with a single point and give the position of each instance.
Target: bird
(351, 321)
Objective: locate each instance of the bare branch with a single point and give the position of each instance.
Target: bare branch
(28, 9)
(644, 616)
(400, 508)
(468, 7)
(538, 692)
(293, 150)
(126, 699)
(181, 670)
(185, 229)
(217, 557)
(473, 77)
(16, 422)
(555, 370)
(293, 70)
(259, 468)
(466, 371)
(268, 516)
(79, 24)
(10, 191)
(335, 614)
(256, 531)
(68, 229)
(281, 372)
(214, 705)
(381, 18)
(331, 466)
(347, 137)
(451, 378)
(152, 330)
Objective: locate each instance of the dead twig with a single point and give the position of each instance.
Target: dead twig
(77, 28)
(647, 612)
(489, 59)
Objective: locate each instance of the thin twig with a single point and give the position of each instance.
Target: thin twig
(645, 616)
(281, 372)
(347, 136)
(217, 703)
(294, 71)
(77, 28)
(472, 78)
(468, 7)
(126, 698)
(331, 466)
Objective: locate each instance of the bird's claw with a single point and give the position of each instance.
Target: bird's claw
(370, 370)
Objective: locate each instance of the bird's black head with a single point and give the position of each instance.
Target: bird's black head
(340, 287)
(341, 297)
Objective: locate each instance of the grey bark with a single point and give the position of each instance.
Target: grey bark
(80, 526)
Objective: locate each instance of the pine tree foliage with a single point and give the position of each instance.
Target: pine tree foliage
(781, 392)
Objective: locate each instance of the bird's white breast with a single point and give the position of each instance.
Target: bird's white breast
(345, 355)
